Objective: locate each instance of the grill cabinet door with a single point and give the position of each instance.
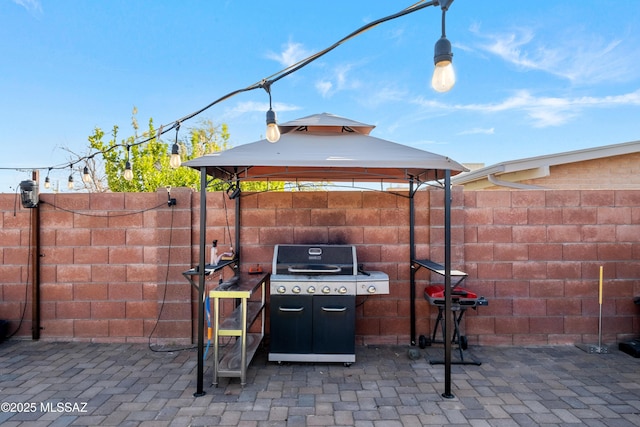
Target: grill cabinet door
(291, 318)
(334, 324)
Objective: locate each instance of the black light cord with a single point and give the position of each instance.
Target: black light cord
(107, 215)
(164, 296)
(26, 285)
(295, 67)
(262, 84)
(226, 217)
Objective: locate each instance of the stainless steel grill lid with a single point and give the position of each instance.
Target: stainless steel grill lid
(315, 259)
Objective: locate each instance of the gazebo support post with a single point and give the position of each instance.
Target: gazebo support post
(201, 285)
(35, 266)
(237, 220)
(448, 320)
(412, 256)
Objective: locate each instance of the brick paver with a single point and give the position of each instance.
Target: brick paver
(83, 384)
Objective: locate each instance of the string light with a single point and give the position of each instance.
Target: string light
(128, 173)
(273, 132)
(86, 177)
(47, 181)
(70, 181)
(175, 161)
(444, 76)
(264, 83)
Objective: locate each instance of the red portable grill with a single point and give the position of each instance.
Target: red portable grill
(461, 296)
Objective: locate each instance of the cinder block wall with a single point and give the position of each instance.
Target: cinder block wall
(111, 264)
(107, 274)
(536, 255)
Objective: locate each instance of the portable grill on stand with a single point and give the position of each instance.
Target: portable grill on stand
(312, 302)
(461, 300)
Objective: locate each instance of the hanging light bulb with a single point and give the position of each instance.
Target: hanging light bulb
(175, 160)
(444, 77)
(70, 182)
(273, 132)
(128, 173)
(86, 177)
(47, 181)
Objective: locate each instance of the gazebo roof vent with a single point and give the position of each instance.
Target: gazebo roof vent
(325, 123)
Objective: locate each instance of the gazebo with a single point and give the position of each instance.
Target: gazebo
(328, 148)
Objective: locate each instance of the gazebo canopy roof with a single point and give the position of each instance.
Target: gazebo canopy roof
(325, 147)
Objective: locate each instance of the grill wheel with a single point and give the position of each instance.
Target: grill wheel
(463, 342)
(424, 341)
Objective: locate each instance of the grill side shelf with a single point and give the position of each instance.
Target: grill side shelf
(438, 268)
(249, 296)
(232, 325)
(244, 288)
(231, 363)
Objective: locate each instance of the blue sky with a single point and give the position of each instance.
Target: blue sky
(533, 78)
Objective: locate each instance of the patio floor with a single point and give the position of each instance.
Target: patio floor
(58, 384)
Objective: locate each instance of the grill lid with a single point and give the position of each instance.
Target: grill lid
(315, 259)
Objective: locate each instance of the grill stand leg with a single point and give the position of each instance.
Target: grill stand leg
(456, 339)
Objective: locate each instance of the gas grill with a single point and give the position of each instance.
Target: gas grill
(312, 302)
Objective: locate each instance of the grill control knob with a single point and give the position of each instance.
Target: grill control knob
(311, 290)
(281, 289)
(371, 289)
(326, 290)
(342, 290)
(296, 289)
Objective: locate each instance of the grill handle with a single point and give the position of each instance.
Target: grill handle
(334, 309)
(291, 310)
(328, 269)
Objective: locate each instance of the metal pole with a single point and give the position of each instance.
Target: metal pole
(447, 286)
(600, 348)
(35, 266)
(237, 230)
(201, 284)
(600, 330)
(412, 256)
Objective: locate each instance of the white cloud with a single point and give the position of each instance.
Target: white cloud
(32, 6)
(291, 54)
(396, 34)
(543, 111)
(246, 107)
(383, 95)
(509, 47)
(338, 80)
(582, 58)
(335, 80)
(478, 131)
(324, 87)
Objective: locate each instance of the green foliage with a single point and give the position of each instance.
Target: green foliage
(150, 160)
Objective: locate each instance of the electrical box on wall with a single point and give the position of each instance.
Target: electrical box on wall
(29, 193)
